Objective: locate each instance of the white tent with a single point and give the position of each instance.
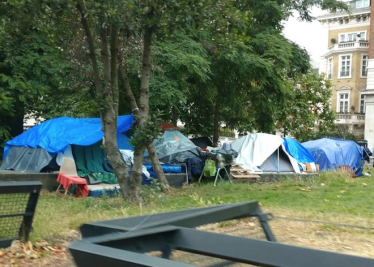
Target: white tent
(260, 152)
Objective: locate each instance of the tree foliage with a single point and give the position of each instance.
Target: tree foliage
(201, 61)
(307, 108)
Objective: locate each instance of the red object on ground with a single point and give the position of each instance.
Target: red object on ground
(348, 169)
(67, 180)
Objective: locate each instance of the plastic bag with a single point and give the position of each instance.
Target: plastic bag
(209, 168)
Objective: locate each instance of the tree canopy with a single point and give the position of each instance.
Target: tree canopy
(203, 62)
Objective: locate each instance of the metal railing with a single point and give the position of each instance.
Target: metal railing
(135, 241)
(17, 207)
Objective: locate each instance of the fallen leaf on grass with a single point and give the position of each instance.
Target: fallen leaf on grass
(41, 244)
(364, 184)
(29, 246)
(326, 200)
(33, 256)
(322, 184)
(342, 191)
(306, 190)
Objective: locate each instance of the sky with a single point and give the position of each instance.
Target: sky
(309, 35)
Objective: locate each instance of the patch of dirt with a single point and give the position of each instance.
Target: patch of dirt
(359, 242)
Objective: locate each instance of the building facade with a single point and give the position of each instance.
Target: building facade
(346, 64)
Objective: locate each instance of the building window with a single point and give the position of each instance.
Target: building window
(329, 68)
(364, 65)
(352, 37)
(362, 103)
(361, 36)
(343, 102)
(342, 38)
(345, 66)
(362, 3)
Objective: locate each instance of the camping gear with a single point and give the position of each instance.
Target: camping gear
(68, 176)
(260, 152)
(209, 168)
(331, 153)
(366, 150)
(202, 142)
(175, 148)
(35, 148)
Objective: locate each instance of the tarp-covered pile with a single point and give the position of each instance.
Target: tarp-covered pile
(175, 148)
(332, 153)
(49, 141)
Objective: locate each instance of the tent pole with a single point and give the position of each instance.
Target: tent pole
(278, 160)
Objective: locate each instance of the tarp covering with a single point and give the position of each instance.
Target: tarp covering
(331, 153)
(26, 159)
(36, 148)
(256, 148)
(57, 134)
(298, 151)
(202, 142)
(174, 147)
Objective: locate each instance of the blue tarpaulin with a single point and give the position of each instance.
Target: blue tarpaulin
(331, 153)
(57, 134)
(298, 151)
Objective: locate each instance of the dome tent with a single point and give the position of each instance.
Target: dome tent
(260, 152)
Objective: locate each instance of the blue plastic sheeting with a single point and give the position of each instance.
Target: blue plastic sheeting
(330, 153)
(167, 168)
(298, 151)
(57, 134)
(123, 142)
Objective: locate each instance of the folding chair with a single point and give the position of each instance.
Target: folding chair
(68, 175)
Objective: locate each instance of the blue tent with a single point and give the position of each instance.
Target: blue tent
(298, 151)
(35, 148)
(331, 153)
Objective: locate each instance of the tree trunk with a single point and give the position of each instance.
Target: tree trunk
(157, 167)
(107, 99)
(143, 112)
(151, 149)
(216, 125)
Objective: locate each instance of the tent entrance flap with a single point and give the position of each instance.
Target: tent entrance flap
(277, 162)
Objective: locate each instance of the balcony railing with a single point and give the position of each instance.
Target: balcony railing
(348, 118)
(349, 45)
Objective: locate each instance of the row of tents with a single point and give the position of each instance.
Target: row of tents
(261, 152)
(41, 148)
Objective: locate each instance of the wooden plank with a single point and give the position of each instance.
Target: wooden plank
(236, 170)
(245, 177)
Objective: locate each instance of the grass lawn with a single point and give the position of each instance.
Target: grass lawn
(332, 197)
